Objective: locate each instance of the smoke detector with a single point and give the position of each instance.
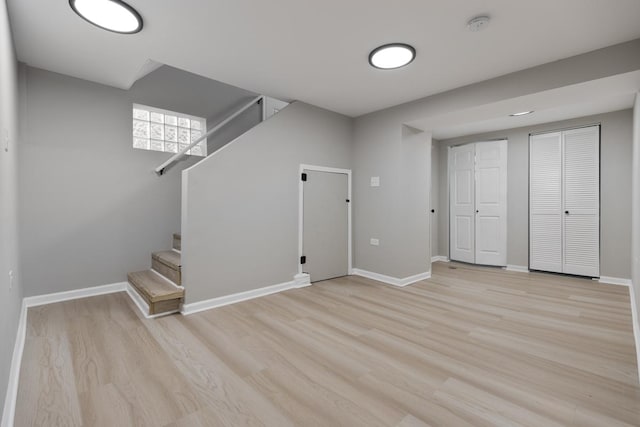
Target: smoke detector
(478, 23)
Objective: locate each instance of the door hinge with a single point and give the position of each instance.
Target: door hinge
(304, 176)
(303, 259)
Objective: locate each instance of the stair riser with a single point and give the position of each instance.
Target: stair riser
(177, 243)
(164, 306)
(166, 271)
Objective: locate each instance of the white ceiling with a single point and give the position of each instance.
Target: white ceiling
(316, 52)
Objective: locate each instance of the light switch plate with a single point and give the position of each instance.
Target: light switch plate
(374, 242)
(375, 181)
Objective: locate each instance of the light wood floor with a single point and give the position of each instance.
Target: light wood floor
(469, 347)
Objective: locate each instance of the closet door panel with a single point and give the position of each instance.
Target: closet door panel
(546, 243)
(545, 202)
(462, 206)
(582, 245)
(491, 203)
(582, 201)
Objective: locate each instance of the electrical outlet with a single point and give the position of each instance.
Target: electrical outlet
(375, 181)
(10, 279)
(374, 242)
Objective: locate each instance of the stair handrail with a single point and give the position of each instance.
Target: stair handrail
(160, 169)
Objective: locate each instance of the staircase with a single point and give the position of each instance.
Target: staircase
(161, 287)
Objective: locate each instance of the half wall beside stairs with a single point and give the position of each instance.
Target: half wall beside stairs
(242, 201)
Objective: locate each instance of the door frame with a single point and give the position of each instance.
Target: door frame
(562, 130)
(325, 169)
(449, 167)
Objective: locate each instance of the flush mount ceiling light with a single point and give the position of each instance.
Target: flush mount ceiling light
(391, 56)
(522, 113)
(111, 15)
(478, 23)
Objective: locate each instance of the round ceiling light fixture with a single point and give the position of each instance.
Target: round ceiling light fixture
(110, 15)
(478, 23)
(392, 56)
(522, 113)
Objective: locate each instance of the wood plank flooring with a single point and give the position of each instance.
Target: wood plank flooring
(470, 347)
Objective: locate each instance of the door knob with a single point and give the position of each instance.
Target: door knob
(477, 211)
(566, 212)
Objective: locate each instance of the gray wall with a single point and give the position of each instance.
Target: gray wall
(10, 298)
(243, 201)
(397, 212)
(615, 178)
(91, 207)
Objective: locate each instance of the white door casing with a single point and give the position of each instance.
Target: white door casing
(462, 203)
(478, 203)
(491, 203)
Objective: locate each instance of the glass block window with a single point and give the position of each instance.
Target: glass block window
(162, 130)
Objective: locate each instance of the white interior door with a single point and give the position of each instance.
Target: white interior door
(491, 203)
(581, 211)
(462, 203)
(545, 202)
(325, 224)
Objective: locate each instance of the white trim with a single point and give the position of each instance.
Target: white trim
(517, 268)
(439, 258)
(10, 399)
(302, 280)
(199, 306)
(142, 304)
(615, 281)
(392, 280)
(347, 172)
(75, 294)
(636, 326)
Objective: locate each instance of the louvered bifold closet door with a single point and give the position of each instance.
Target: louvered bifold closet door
(582, 201)
(545, 202)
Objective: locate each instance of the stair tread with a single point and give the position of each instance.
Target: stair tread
(154, 287)
(172, 259)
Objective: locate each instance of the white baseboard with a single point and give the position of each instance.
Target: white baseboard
(636, 326)
(391, 280)
(518, 268)
(142, 304)
(615, 281)
(302, 280)
(9, 410)
(75, 294)
(440, 258)
(195, 307)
